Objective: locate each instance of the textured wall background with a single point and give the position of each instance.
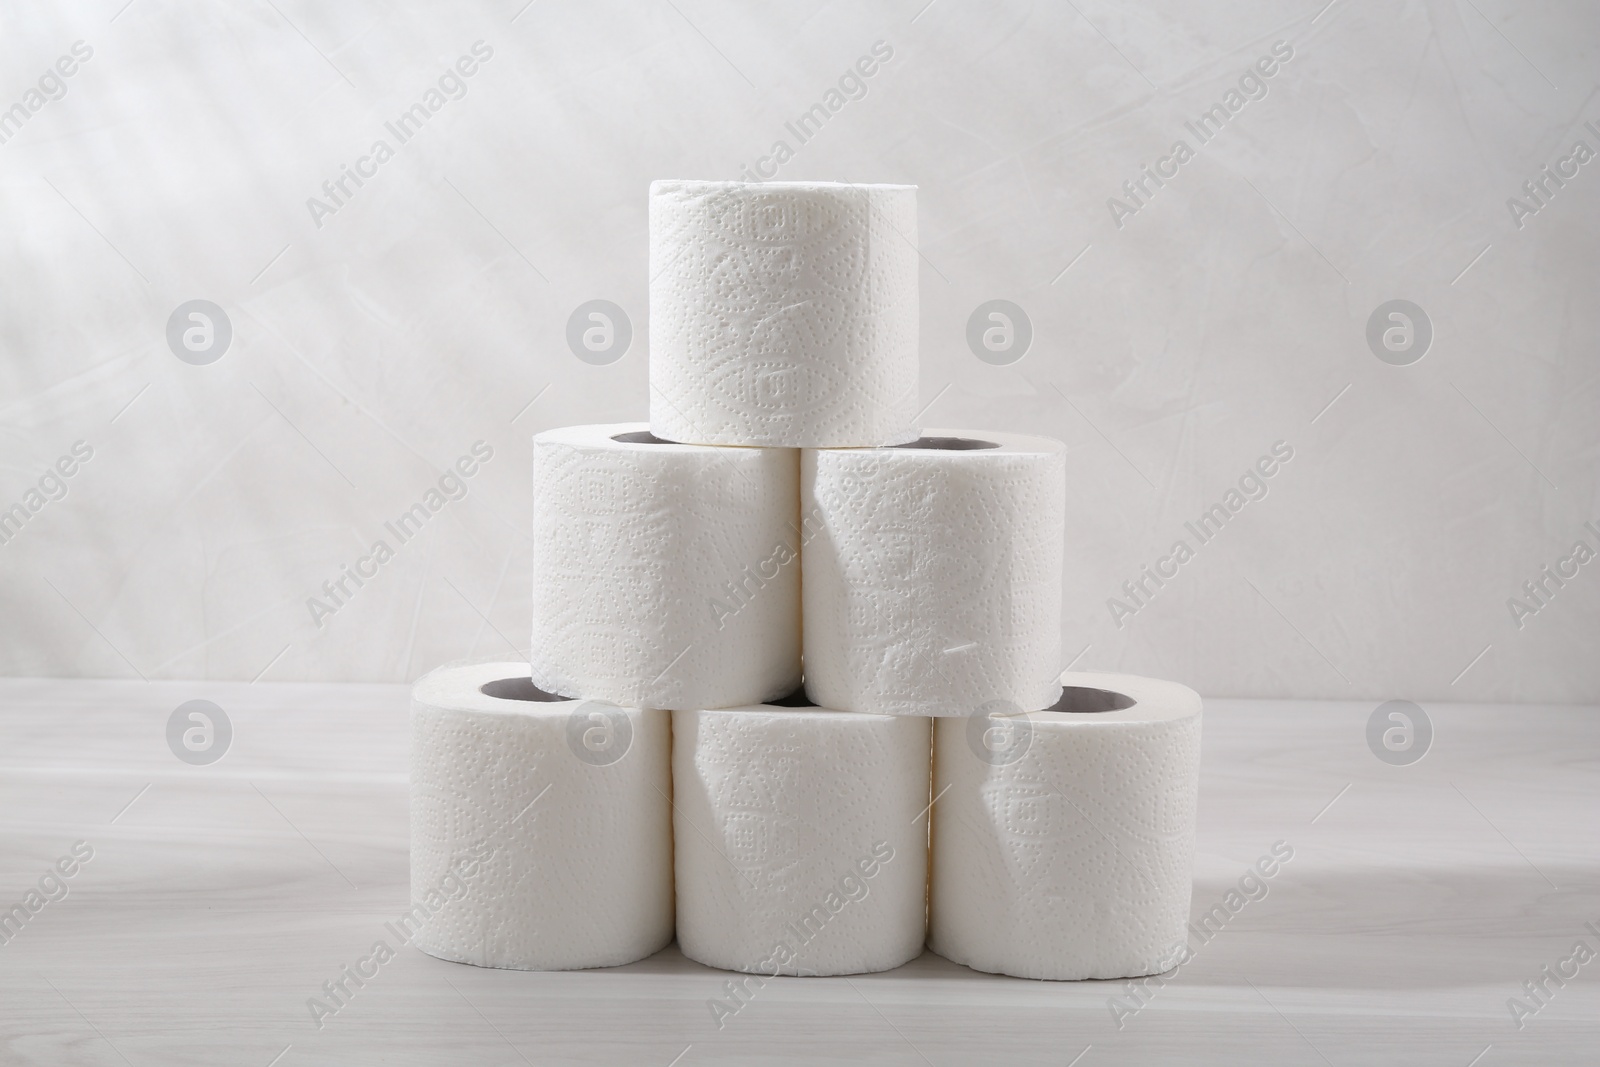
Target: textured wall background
(1175, 339)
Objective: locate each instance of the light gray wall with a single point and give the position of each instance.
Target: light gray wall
(1173, 345)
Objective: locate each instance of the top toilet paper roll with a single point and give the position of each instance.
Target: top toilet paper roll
(1063, 840)
(664, 575)
(783, 313)
(932, 573)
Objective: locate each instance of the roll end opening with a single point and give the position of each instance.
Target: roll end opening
(1082, 700)
(949, 444)
(518, 689)
(641, 437)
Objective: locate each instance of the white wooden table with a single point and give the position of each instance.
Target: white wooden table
(220, 898)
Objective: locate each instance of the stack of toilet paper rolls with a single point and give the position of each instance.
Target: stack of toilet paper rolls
(784, 641)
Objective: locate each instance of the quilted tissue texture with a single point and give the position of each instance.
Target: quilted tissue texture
(933, 574)
(800, 849)
(665, 575)
(1063, 842)
(783, 313)
(541, 832)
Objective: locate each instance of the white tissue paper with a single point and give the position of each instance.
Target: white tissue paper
(541, 828)
(783, 313)
(665, 575)
(1063, 840)
(801, 839)
(933, 573)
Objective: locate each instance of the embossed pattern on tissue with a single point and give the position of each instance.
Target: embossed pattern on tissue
(937, 586)
(783, 317)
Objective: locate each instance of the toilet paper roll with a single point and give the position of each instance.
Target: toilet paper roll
(783, 313)
(1063, 840)
(801, 845)
(664, 575)
(541, 828)
(933, 573)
